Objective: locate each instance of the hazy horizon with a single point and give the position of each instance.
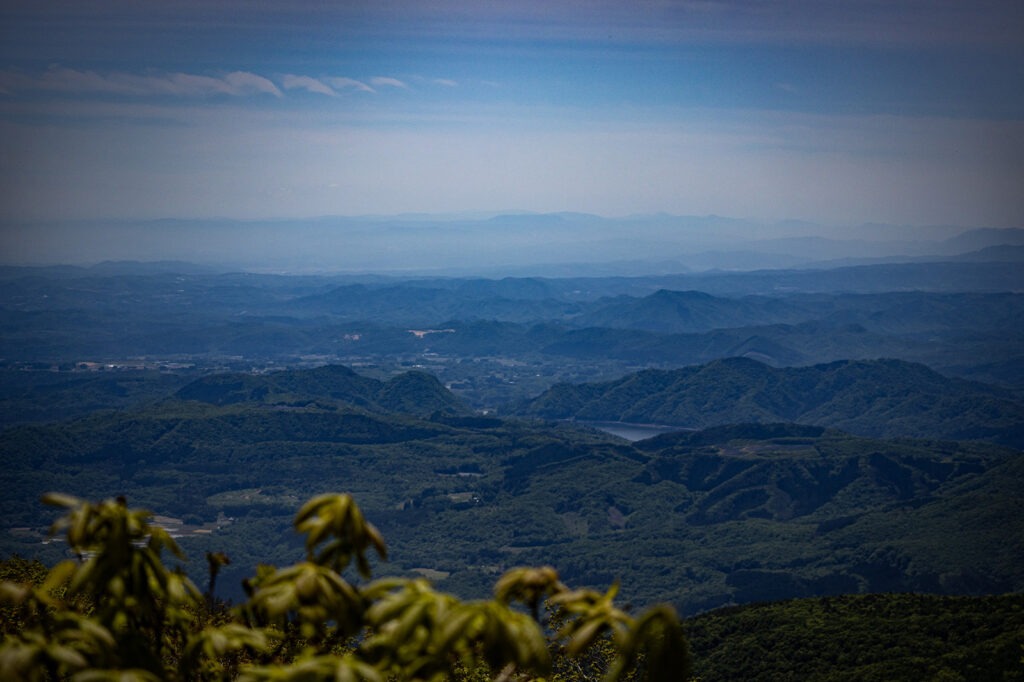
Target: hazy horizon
(498, 243)
(842, 115)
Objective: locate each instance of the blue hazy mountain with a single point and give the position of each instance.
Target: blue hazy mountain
(487, 243)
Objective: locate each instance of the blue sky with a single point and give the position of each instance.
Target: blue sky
(838, 112)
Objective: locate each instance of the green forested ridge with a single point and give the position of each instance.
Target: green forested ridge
(863, 638)
(27, 397)
(882, 398)
(728, 515)
(117, 612)
(414, 393)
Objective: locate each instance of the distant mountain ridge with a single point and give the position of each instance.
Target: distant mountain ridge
(611, 326)
(497, 240)
(878, 398)
(690, 312)
(1003, 253)
(984, 237)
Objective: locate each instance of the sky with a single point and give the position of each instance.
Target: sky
(842, 112)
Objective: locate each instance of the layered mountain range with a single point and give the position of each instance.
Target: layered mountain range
(730, 514)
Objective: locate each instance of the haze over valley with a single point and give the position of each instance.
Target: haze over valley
(222, 398)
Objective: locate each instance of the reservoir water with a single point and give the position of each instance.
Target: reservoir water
(633, 432)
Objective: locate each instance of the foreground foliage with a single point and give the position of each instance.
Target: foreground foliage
(119, 613)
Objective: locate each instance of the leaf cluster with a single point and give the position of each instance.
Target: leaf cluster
(119, 612)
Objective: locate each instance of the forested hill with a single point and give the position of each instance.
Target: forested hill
(415, 393)
(731, 515)
(865, 638)
(880, 398)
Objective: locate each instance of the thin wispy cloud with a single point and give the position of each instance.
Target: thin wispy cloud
(243, 82)
(435, 82)
(343, 83)
(292, 82)
(68, 81)
(73, 81)
(386, 81)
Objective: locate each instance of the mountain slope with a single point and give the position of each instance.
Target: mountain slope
(877, 637)
(888, 398)
(728, 515)
(415, 393)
